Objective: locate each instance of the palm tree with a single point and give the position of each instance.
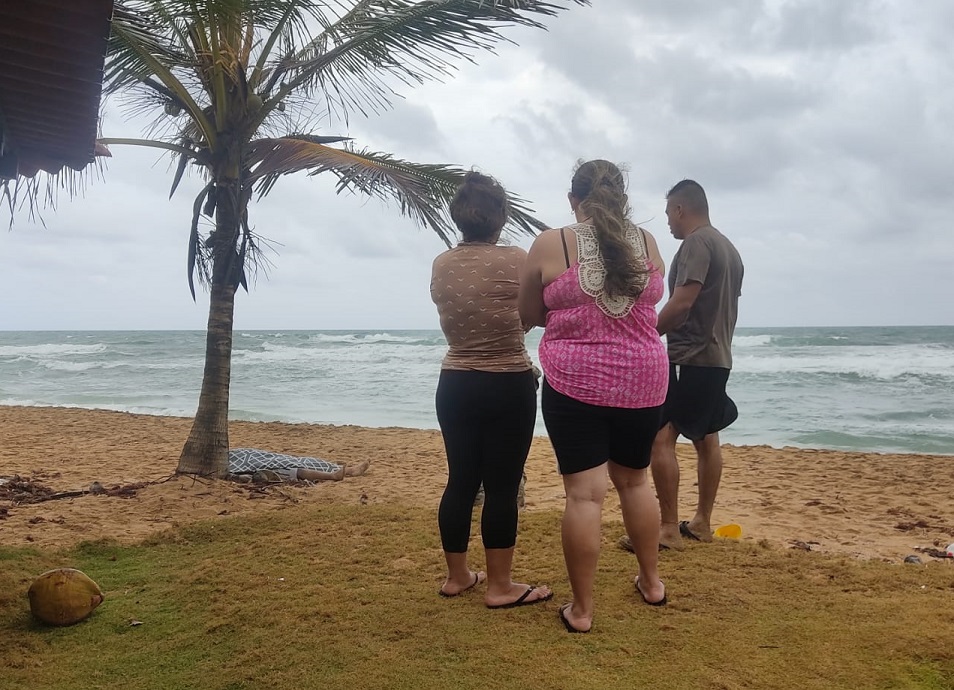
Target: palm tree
(231, 82)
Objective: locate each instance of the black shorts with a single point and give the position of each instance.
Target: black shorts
(696, 403)
(586, 436)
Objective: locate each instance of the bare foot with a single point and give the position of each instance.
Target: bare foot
(626, 544)
(518, 594)
(451, 588)
(669, 537)
(357, 469)
(695, 531)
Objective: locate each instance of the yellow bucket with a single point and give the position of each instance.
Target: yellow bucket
(730, 531)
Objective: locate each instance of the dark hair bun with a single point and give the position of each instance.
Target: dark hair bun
(480, 207)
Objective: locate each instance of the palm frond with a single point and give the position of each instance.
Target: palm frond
(154, 32)
(138, 51)
(290, 29)
(422, 191)
(412, 41)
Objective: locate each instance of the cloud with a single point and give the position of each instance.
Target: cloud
(820, 130)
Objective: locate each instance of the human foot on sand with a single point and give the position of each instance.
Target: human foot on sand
(572, 623)
(695, 532)
(670, 537)
(357, 469)
(518, 595)
(450, 588)
(655, 595)
(626, 543)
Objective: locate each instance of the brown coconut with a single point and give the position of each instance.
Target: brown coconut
(63, 596)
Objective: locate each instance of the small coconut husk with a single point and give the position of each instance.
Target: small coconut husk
(63, 596)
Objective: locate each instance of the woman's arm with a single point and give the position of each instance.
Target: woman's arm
(533, 311)
(653, 249)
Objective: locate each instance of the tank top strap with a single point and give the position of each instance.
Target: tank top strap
(566, 253)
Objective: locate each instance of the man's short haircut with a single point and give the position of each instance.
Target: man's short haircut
(691, 195)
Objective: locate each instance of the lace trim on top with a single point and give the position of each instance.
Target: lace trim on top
(593, 271)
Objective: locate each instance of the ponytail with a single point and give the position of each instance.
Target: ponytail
(601, 191)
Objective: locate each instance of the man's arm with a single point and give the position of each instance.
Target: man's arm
(675, 311)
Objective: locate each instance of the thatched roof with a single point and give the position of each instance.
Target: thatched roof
(51, 77)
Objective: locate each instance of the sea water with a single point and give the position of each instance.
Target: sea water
(870, 389)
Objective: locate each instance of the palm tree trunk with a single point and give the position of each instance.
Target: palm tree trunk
(206, 450)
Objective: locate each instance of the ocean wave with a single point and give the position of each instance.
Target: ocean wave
(378, 352)
(788, 340)
(885, 443)
(751, 340)
(882, 388)
(882, 363)
(50, 350)
(368, 338)
(22, 402)
(57, 365)
(132, 364)
(132, 409)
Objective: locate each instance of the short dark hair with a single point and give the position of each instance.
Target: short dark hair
(480, 207)
(691, 194)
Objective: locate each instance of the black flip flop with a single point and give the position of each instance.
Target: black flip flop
(566, 622)
(522, 601)
(661, 602)
(465, 589)
(686, 532)
(627, 545)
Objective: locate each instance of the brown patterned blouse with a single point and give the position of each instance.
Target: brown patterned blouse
(474, 286)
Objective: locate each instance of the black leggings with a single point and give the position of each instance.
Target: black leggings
(487, 422)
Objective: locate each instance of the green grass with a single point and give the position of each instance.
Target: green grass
(346, 597)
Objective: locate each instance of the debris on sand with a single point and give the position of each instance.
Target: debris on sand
(933, 553)
(18, 490)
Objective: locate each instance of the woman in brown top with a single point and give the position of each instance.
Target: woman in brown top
(486, 397)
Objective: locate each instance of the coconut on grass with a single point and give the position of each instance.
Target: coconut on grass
(63, 596)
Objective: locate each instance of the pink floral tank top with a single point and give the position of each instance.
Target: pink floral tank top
(599, 350)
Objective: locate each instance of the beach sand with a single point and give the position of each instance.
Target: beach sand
(860, 504)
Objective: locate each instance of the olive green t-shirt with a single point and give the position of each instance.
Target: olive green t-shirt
(705, 339)
(475, 289)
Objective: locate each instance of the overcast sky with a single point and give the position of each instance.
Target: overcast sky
(821, 130)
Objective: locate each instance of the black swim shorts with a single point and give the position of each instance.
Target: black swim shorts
(696, 403)
(586, 436)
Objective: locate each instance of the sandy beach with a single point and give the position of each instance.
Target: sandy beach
(860, 504)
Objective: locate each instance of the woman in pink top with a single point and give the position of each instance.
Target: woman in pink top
(594, 286)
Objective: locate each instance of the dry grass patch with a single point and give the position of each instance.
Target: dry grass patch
(346, 596)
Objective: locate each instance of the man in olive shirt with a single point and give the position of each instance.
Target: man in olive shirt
(705, 282)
